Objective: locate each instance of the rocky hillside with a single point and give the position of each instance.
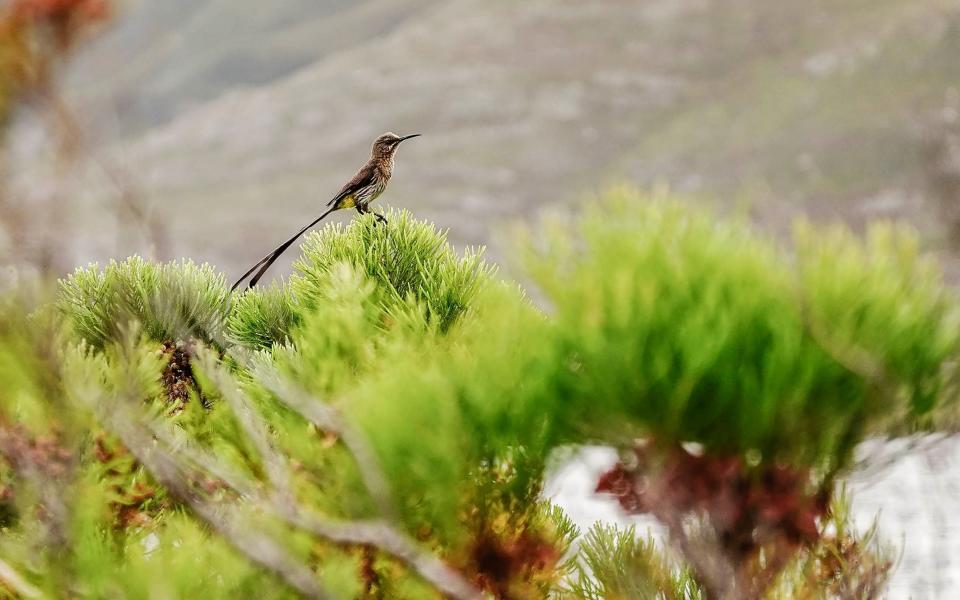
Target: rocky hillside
(242, 118)
(163, 57)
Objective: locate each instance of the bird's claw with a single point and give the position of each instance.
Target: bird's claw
(380, 218)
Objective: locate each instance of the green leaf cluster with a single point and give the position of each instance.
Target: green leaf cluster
(697, 328)
(171, 301)
(653, 319)
(415, 273)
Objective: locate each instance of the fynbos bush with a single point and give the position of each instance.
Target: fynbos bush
(380, 425)
(172, 301)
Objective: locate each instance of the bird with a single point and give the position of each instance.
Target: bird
(365, 187)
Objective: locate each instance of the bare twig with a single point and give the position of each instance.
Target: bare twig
(202, 459)
(714, 571)
(276, 465)
(130, 208)
(375, 534)
(327, 418)
(161, 453)
(385, 538)
(872, 466)
(258, 546)
(320, 414)
(16, 582)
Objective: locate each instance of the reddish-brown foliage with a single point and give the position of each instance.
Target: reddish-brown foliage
(65, 20)
(513, 549)
(129, 507)
(177, 377)
(503, 566)
(41, 454)
(368, 572)
(35, 36)
(28, 457)
(766, 507)
(847, 569)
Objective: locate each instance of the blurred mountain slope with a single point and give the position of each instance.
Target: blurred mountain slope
(163, 56)
(826, 107)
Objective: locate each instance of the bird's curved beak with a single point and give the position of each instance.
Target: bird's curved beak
(407, 137)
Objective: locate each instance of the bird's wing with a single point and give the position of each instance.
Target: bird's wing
(364, 177)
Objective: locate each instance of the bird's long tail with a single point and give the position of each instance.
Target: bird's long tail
(271, 258)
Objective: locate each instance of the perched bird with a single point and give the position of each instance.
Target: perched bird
(365, 187)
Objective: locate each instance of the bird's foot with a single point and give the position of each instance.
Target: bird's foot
(380, 218)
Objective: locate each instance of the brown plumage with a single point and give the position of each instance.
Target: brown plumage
(365, 187)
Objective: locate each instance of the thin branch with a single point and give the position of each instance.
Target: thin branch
(146, 441)
(714, 571)
(373, 533)
(200, 458)
(327, 418)
(384, 537)
(873, 466)
(320, 414)
(378, 534)
(275, 464)
(16, 582)
(257, 546)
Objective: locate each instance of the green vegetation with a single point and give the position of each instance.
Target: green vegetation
(679, 322)
(379, 426)
(411, 270)
(619, 563)
(175, 301)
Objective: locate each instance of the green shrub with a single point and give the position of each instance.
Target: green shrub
(409, 260)
(387, 353)
(618, 564)
(410, 263)
(262, 317)
(475, 400)
(664, 322)
(172, 301)
(695, 328)
(879, 307)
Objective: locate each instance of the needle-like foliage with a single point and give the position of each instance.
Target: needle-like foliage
(618, 564)
(409, 260)
(171, 301)
(262, 317)
(410, 263)
(679, 321)
(380, 425)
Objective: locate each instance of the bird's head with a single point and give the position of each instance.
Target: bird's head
(385, 145)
